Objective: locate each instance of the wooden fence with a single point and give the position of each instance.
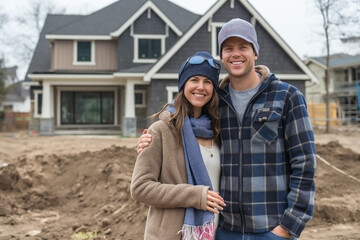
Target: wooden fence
(14, 121)
(317, 114)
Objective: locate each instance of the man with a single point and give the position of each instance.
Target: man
(267, 152)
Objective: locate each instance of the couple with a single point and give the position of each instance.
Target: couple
(266, 158)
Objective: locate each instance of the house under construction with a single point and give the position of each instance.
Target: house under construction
(343, 87)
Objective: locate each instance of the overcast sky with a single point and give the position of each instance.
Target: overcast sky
(297, 22)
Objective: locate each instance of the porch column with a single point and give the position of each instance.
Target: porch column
(47, 112)
(129, 121)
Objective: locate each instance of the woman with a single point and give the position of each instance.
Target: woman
(178, 173)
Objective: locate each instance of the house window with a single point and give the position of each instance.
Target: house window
(172, 91)
(84, 53)
(87, 107)
(140, 98)
(37, 103)
(355, 72)
(149, 48)
(346, 75)
(217, 41)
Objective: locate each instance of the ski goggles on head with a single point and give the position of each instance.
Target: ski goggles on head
(199, 60)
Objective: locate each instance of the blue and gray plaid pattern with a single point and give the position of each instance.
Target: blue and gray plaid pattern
(268, 162)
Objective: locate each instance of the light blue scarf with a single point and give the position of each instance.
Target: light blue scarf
(198, 223)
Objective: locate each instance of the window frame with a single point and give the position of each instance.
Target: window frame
(143, 92)
(36, 103)
(75, 54)
(214, 38)
(170, 92)
(137, 37)
(86, 89)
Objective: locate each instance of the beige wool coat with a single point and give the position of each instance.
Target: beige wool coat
(160, 180)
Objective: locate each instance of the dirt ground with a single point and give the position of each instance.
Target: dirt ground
(77, 187)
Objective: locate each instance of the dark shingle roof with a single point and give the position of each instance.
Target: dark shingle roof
(17, 93)
(11, 71)
(112, 17)
(40, 61)
(339, 60)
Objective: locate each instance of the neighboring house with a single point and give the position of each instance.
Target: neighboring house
(351, 45)
(17, 98)
(343, 86)
(110, 70)
(11, 76)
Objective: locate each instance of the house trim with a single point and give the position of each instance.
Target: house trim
(213, 26)
(69, 76)
(86, 89)
(51, 37)
(170, 91)
(32, 83)
(165, 76)
(293, 76)
(120, 74)
(136, 15)
(143, 92)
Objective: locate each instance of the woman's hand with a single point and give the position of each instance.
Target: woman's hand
(214, 202)
(144, 141)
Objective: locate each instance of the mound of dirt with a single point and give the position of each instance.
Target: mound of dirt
(85, 195)
(337, 195)
(73, 194)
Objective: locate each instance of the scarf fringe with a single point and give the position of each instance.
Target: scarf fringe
(190, 232)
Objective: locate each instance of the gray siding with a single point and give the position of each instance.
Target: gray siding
(141, 112)
(170, 40)
(225, 13)
(152, 25)
(200, 41)
(125, 50)
(298, 84)
(158, 94)
(273, 56)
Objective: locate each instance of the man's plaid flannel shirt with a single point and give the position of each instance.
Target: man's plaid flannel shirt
(268, 161)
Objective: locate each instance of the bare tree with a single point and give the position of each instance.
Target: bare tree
(3, 19)
(31, 23)
(3, 74)
(338, 18)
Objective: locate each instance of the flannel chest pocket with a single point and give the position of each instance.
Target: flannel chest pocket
(265, 125)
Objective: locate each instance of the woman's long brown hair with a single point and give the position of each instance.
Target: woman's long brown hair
(183, 107)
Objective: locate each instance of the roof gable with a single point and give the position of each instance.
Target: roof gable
(208, 17)
(139, 12)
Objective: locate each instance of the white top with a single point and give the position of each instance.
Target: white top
(212, 165)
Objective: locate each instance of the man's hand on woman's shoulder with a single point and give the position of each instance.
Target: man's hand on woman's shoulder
(144, 141)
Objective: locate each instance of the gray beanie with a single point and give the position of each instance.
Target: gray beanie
(241, 29)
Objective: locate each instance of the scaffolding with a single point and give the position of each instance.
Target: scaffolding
(348, 95)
